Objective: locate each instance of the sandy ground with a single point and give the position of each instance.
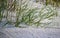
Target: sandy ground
(29, 33)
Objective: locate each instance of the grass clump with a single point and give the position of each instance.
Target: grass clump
(30, 15)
